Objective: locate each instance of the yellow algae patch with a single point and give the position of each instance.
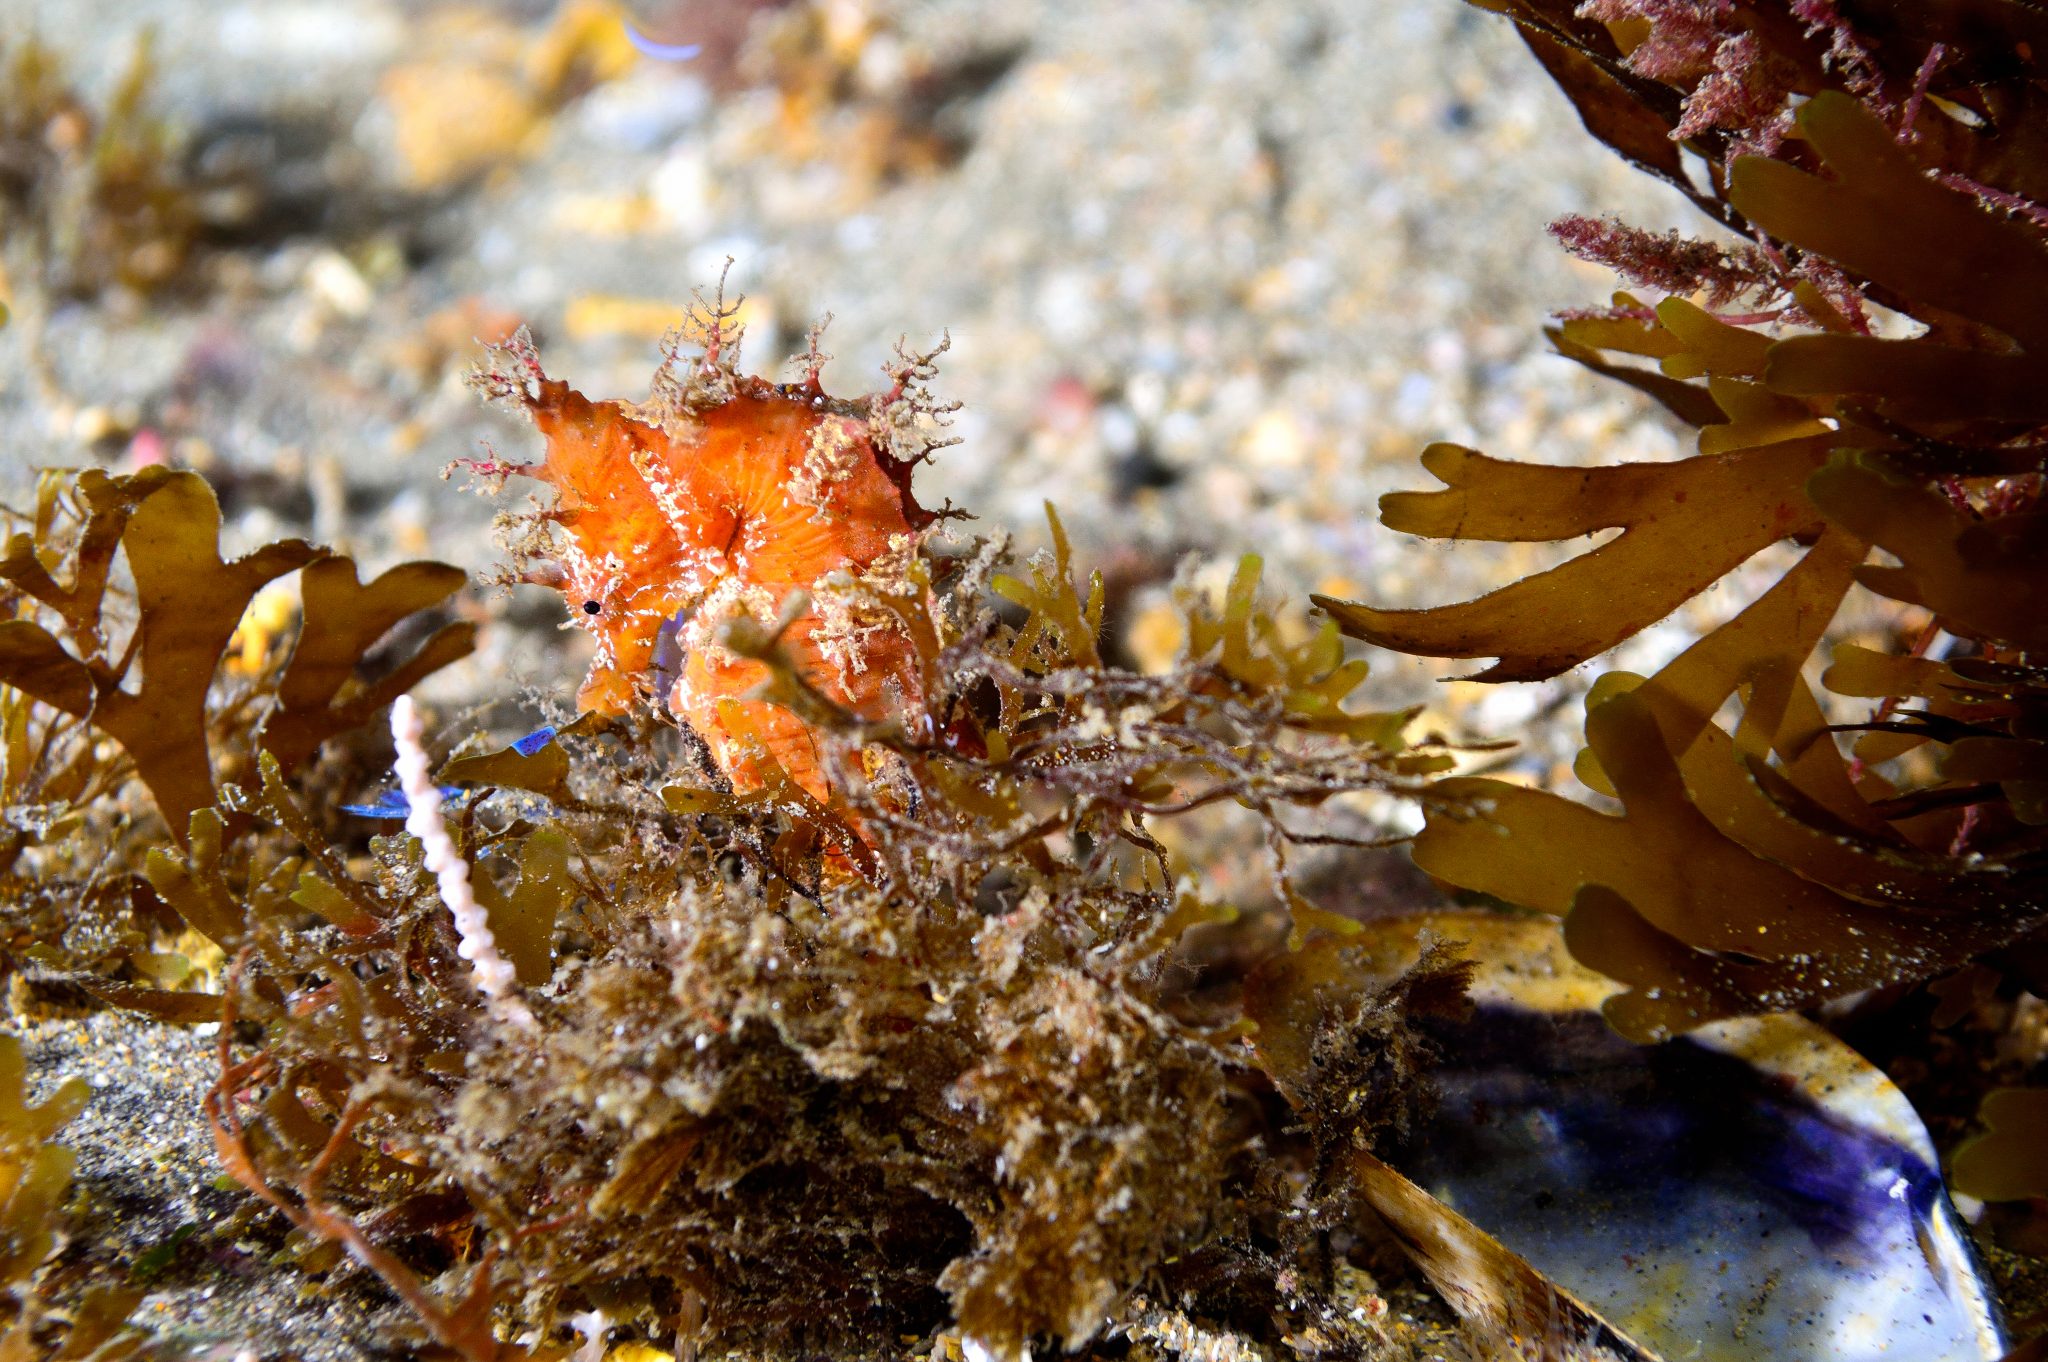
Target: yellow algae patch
(482, 90)
(266, 621)
(638, 1352)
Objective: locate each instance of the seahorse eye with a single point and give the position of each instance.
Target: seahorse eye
(591, 607)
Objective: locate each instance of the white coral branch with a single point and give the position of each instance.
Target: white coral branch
(492, 972)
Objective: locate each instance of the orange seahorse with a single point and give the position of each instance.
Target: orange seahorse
(720, 497)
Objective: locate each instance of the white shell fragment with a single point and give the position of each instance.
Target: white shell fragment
(1755, 1189)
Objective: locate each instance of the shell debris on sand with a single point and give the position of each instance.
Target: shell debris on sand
(147, 1170)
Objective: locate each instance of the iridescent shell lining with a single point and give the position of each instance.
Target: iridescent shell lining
(1754, 1189)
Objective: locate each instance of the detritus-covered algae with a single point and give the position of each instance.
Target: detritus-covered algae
(843, 941)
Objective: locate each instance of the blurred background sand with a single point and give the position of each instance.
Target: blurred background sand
(1213, 274)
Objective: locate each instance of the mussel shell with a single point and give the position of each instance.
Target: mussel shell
(1754, 1189)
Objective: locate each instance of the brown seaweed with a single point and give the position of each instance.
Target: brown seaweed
(1806, 876)
(93, 196)
(1866, 378)
(123, 621)
(35, 1177)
